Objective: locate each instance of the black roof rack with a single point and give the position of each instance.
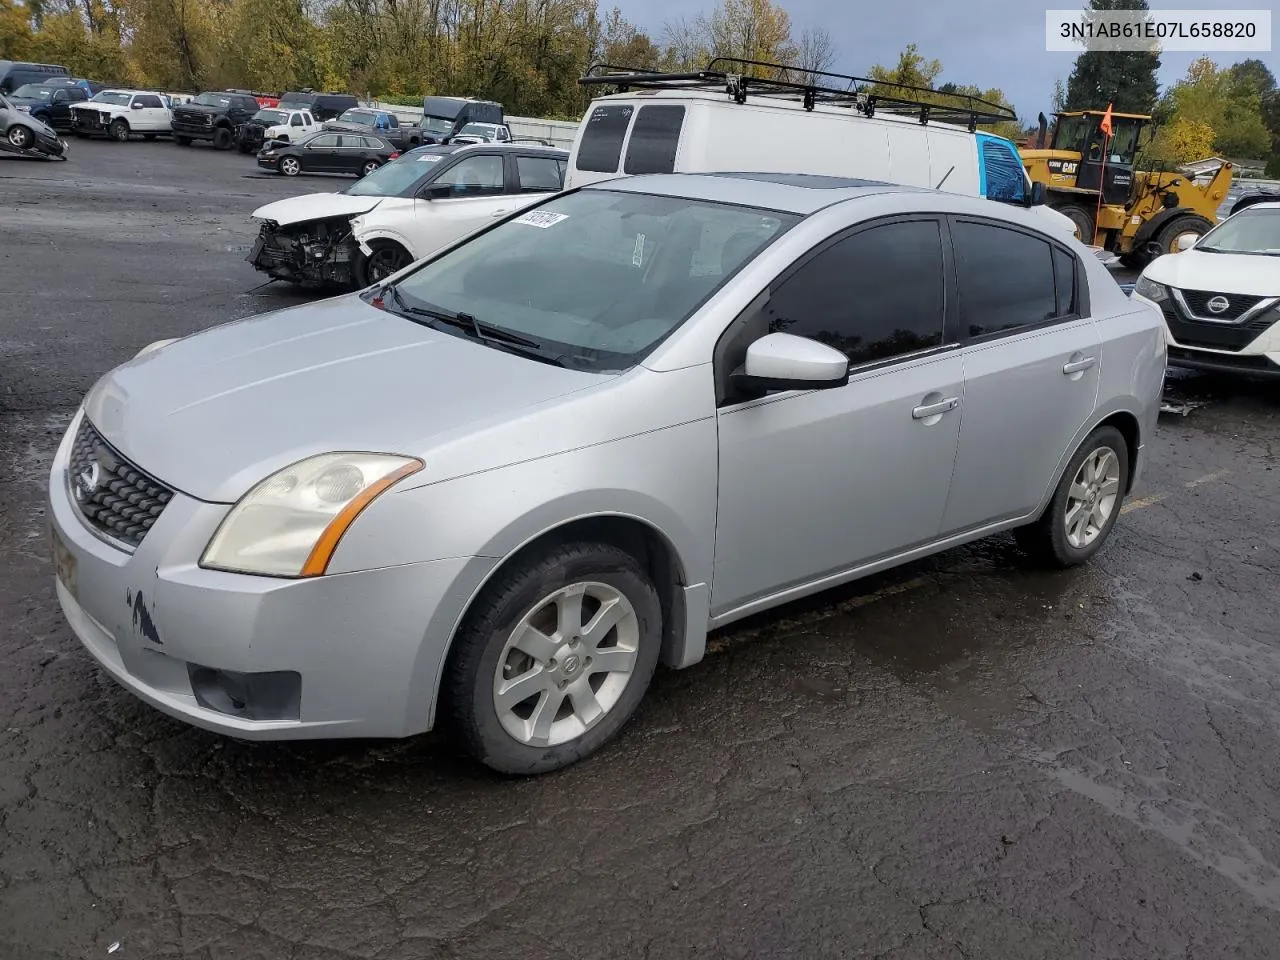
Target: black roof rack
(731, 75)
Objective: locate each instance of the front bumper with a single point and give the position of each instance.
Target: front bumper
(348, 655)
(1255, 364)
(192, 129)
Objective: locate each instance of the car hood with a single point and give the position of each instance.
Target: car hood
(28, 102)
(196, 108)
(1245, 274)
(315, 206)
(214, 413)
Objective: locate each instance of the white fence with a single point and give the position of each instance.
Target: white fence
(558, 133)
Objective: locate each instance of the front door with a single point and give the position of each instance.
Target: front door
(464, 197)
(320, 155)
(816, 483)
(1032, 367)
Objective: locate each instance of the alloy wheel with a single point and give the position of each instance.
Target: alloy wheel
(20, 137)
(290, 167)
(1093, 497)
(566, 664)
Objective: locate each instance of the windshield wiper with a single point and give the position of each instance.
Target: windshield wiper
(486, 333)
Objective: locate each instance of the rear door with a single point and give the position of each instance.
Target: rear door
(536, 178)
(1032, 362)
(153, 117)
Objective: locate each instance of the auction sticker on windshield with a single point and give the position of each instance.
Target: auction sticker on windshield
(541, 218)
(430, 158)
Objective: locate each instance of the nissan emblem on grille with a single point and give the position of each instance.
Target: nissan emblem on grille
(114, 497)
(1219, 305)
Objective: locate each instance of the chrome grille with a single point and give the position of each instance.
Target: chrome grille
(1237, 304)
(114, 496)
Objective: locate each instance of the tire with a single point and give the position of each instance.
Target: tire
(20, 136)
(387, 258)
(1178, 226)
(1052, 540)
(149, 137)
(182, 141)
(290, 166)
(119, 130)
(540, 590)
(1082, 219)
(222, 139)
(369, 167)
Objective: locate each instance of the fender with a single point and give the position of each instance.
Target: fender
(1153, 226)
(364, 238)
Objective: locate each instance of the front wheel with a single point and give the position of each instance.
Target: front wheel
(1081, 219)
(1086, 504)
(20, 137)
(119, 131)
(222, 139)
(369, 167)
(387, 258)
(553, 659)
(1175, 234)
(290, 166)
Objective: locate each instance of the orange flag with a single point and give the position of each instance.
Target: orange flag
(1106, 121)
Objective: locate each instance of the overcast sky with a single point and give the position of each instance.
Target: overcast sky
(991, 43)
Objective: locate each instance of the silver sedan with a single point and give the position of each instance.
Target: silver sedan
(496, 490)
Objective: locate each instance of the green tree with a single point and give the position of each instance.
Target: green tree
(912, 69)
(1224, 100)
(15, 30)
(1127, 80)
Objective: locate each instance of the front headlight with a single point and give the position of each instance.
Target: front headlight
(1156, 292)
(289, 524)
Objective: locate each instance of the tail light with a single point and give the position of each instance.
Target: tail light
(393, 156)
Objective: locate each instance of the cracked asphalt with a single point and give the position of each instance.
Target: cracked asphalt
(965, 758)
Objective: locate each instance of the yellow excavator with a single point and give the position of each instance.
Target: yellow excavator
(1092, 178)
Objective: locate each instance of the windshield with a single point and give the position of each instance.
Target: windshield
(212, 100)
(596, 278)
(114, 96)
(362, 117)
(395, 177)
(436, 125)
(271, 117)
(33, 91)
(1249, 231)
(480, 130)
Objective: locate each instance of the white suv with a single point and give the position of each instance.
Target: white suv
(122, 113)
(1221, 298)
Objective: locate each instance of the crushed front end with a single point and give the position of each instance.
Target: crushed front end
(313, 253)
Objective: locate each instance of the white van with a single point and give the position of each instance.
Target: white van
(715, 122)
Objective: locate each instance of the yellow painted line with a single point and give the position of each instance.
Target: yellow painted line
(1150, 501)
(1207, 478)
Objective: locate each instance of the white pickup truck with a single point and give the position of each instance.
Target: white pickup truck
(275, 123)
(120, 114)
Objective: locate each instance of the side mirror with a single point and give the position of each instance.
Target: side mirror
(1035, 198)
(135, 105)
(437, 191)
(1185, 241)
(783, 361)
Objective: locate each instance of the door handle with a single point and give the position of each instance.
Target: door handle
(1076, 366)
(934, 409)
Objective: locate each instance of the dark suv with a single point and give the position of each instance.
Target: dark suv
(214, 117)
(49, 103)
(323, 106)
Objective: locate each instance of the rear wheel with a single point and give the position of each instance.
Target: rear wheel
(553, 658)
(1085, 505)
(119, 130)
(369, 167)
(1082, 219)
(20, 137)
(222, 139)
(387, 258)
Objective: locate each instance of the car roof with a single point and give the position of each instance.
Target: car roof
(506, 146)
(800, 193)
(1262, 205)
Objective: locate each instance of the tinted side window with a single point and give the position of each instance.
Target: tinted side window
(539, 174)
(875, 295)
(1064, 279)
(151, 100)
(324, 141)
(601, 144)
(1005, 278)
(654, 139)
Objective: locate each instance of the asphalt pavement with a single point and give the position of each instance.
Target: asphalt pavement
(965, 758)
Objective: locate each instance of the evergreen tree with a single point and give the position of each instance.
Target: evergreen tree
(1127, 80)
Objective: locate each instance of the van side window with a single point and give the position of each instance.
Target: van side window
(1005, 279)
(1004, 178)
(654, 139)
(875, 295)
(601, 145)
